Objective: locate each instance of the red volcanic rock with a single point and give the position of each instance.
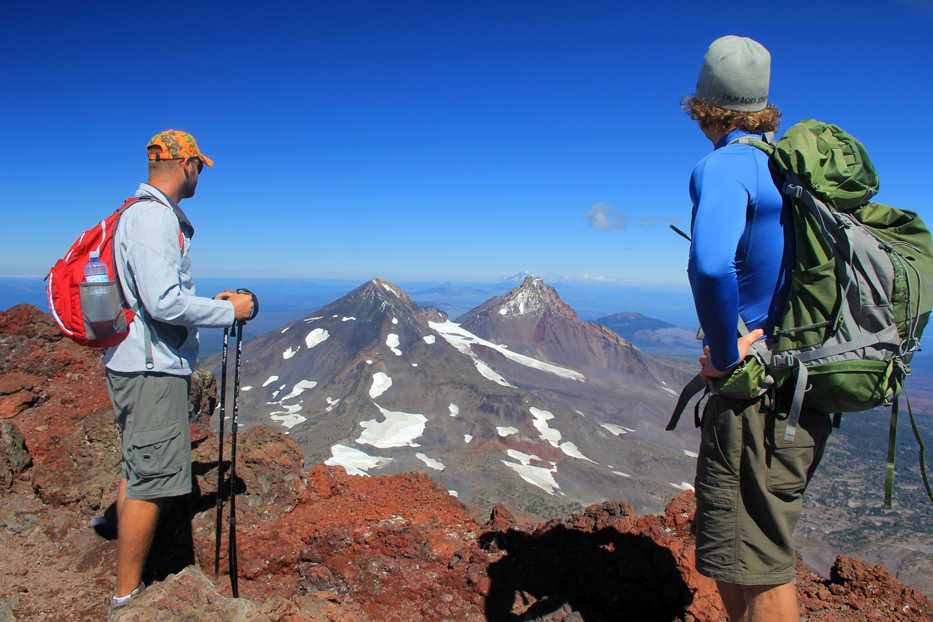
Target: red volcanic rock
(14, 456)
(48, 383)
(27, 320)
(399, 547)
(500, 519)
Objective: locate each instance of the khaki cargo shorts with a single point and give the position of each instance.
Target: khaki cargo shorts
(749, 488)
(152, 412)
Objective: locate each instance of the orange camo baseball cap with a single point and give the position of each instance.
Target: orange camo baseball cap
(175, 145)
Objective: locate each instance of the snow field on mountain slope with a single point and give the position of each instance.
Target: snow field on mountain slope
(392, 342)
(315, 337)
(461, 339)
(356, 462)
(522, 302)
(381, 384)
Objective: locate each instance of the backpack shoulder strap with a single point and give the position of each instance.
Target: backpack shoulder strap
(765, 143)
(138, 308)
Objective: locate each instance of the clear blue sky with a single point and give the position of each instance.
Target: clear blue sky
(426, 140)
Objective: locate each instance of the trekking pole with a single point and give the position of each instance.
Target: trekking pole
(220, 455)
(231, 547)
(231, 534)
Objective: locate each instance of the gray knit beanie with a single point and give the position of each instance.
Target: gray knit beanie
(735, 74)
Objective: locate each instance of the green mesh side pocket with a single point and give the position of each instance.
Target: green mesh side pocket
(851, 386)
(747, 381)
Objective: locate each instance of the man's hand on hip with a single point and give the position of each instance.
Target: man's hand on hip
(744, 343)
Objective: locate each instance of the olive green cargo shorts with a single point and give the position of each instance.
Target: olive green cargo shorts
(749, 488)
(152, 412)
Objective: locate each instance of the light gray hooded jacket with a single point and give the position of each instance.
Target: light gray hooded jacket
(155, 274)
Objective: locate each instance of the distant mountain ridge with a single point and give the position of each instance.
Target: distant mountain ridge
(653, 335)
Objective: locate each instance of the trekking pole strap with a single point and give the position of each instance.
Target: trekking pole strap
(923, 449)
(697, 384)
(255, 312)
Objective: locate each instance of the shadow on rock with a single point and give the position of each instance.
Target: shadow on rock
(566, 574)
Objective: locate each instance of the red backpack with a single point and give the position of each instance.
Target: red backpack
(92, 314)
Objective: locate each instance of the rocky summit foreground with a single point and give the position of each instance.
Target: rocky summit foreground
(319, 544)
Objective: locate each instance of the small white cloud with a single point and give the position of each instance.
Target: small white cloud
(597, 277)
(605, 217)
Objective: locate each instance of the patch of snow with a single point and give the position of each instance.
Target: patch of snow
(467, 438)
(549, 434)
(579, 413)
(285, 330)
(431, 463)
(617, 430)
(692, 454)
(392, 342)
(311, 319)
(414, 364)
(571, 450)
(523, 458)
(347, 319)
(331, 403)
(299, 388)
(246, 388)
(522, 302)
(538, 476)
(356, 462)
(682, 486)
(669, 390)
(489, 373)
(506, 430)
(289, 353)
(454, 409)
(461, 339)
(391, 289)
(274, 395)
(288, 416)
(428, 339)
(316, 336)
(395, 320)
(453, 493)
(269, 381)
(334, 316)
(397, 429)
(621, 474)
(381, 384)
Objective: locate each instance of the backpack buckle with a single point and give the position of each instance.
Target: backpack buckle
(783, 361)
(792, 190)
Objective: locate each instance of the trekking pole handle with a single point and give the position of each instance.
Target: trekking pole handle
(252, 315)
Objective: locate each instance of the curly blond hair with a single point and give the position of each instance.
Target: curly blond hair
(710, 116)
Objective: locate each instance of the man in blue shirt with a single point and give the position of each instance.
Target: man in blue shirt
(749, 482)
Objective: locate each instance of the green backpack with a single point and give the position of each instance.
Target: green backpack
(860, 291)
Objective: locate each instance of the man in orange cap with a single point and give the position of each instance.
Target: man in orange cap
(148, 372)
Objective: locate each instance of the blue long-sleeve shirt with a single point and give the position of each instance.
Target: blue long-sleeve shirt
(742, 246)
